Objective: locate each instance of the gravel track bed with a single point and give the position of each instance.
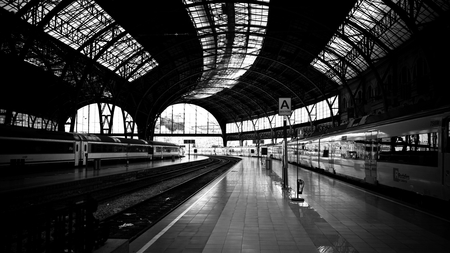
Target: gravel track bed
(120, 203)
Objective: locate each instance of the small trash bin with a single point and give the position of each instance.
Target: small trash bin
(268, 164)
(300, 185)
(97, 163)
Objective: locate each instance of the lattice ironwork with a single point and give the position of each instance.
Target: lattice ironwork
(374, 28)
(76, 23)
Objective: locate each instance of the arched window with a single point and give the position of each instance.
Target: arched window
(101, 118)
(186, 122)
(186, 119)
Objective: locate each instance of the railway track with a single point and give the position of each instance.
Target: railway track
(99, 188)
(129, 223)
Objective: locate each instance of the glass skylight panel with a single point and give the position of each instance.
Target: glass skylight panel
(225, 59)
(78, 22)
(377, 18)
(13, 6)
(370, 15)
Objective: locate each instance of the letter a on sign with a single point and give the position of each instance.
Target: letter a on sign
(284, 106)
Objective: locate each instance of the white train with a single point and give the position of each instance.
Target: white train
(410, 153)
(24, 146)
(231, 151)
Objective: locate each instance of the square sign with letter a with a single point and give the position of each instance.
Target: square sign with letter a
(284, 106)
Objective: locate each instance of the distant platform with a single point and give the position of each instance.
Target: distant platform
(84, 172)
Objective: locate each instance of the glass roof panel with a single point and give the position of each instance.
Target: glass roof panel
(227, 57)
(383, 23)
(379, 20)
(13, 6)
(81, 20)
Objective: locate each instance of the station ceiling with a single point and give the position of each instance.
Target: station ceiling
(233, 58)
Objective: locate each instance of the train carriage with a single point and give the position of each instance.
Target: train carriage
(162, 150)
(410, 153)
(32, 146)
(24, 146)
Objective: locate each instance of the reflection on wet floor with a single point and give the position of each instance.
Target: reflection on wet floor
(341, 218)
(324, 236)
(249, 210)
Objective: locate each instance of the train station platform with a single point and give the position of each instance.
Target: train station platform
(248, 210)
(31, 180)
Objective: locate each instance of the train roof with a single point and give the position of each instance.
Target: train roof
(112, 139)
(25, 132)
(159, 143)
(375, 121)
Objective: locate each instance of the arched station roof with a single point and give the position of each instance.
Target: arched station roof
(233, 58)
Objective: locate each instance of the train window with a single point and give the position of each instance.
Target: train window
(351, 154)
(415, 142)
(418, 149)
(351, 149)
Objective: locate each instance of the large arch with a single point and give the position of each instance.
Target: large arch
(185, 121)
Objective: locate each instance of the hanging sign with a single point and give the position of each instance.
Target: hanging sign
(284, 106)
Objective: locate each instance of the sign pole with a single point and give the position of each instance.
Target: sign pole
(285, 109)
(285, 164)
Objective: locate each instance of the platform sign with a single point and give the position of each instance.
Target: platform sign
(189, 141)
(284, 107)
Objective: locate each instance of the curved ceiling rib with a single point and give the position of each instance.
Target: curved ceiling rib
(230, 34)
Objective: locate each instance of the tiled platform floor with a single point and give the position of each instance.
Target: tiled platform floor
(248, 211)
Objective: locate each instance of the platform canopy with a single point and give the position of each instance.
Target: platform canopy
(233, 58)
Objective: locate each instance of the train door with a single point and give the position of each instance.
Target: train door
(331, 150)
(84, 152)
(370, 156)
(77, 153)
(444, 161)
(150, 152)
